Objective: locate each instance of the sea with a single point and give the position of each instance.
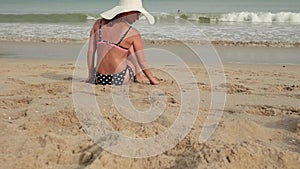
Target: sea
(237, 22)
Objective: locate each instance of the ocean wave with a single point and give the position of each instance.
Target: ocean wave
(44, 18)
(200, 17)
(281, 17)
(262, 17)
(168, 27)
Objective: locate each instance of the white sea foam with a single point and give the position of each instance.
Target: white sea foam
(261, 17)
(239, 27)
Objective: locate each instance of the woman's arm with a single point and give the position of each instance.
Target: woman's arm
(132, 57)
(140, 55)
(91, 53)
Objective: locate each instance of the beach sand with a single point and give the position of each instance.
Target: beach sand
(260, 127)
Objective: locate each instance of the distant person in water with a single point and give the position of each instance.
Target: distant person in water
(120, 51)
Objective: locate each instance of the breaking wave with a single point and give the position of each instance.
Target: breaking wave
(280, 17)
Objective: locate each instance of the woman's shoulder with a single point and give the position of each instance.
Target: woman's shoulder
(134, 31)
(96, 25)
(97, 22)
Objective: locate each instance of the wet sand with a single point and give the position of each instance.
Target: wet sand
(228, 54)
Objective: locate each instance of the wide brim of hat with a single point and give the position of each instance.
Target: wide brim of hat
(119, 9)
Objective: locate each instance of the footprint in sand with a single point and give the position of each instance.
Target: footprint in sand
(63, 118)
(15, 102)
(235, 88)
(267, 110)
(89, 154)
(52, 88)
(298, 128)
(17, 81)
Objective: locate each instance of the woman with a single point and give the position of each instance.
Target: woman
(113, 38)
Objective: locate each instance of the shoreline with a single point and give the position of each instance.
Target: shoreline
(164, 42)
(227, 54)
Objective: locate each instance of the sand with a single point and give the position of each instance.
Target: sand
(260, 126)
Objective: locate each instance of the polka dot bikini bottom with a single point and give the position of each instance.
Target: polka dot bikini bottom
(114, 79)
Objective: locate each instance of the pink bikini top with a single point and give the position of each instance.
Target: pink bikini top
(101, 41)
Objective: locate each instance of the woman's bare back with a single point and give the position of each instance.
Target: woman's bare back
(112, 47)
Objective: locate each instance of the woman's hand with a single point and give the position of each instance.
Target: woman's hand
(90, 79)
(154, 81)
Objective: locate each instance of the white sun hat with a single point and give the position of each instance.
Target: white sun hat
(127, 6)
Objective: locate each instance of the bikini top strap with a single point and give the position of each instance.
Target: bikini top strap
(100, 31)
(124, 35)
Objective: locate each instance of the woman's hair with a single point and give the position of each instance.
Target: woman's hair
(113, 20)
